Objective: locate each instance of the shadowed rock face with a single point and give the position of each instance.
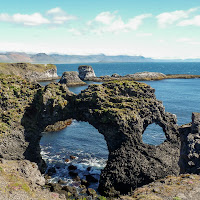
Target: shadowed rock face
(71, 79)
(121, 111)
(86, 72)
(190, 146)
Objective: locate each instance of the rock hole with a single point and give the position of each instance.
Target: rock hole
(79, 145)
(153, 135)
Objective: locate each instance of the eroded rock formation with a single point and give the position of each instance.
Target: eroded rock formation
(190, 146)
(86, 72)
(120, 110)
(71, 79)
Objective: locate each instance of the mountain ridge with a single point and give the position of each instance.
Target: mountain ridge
(43, 58)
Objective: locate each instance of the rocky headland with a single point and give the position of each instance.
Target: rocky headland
(120, 110)
(32, 72)
(142, 76)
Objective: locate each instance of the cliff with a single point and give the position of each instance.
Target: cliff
(30, 71)
(120, 110)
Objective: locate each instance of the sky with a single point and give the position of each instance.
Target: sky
(156, 29)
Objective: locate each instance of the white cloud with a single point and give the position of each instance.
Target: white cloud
(28, 20)
(75, 32)
(105, 17)
(195, 21)
(189, 41)
(144, 34)
(168, 18)
(59, 16)
(54, 16)
(111, 22)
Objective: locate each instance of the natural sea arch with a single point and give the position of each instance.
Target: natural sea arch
(120, 111)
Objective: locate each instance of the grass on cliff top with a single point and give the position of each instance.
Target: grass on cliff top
(15, 95)
(17, 68)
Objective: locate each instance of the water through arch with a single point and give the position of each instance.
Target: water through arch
(80, 145)
(153, 135)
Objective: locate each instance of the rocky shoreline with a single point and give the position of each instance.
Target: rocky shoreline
(121, 110)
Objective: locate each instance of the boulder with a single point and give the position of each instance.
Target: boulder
(91, 179)
(115, 75)
(72, 167)
(86, 72)
(71, 79)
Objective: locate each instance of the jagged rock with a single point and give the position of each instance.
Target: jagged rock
(51, 171)
(190, 146)
(73, 174)
(72, 167)
(91, 179)
(91, 192)
(58, 126)
(84, 182)
(86, 72)
(121, 111)
(183, 187)
(71, 79)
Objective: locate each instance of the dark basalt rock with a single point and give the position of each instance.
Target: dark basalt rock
(190, 146)
(72, 167)
(121, 111)
(86, 72)
(71, 79)
(91, 179)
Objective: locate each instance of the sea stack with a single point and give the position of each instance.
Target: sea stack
(71, 79)
(86, 72)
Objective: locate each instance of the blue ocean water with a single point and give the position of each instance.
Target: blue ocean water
(179, 96)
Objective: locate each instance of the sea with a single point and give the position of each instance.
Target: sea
(81, 140)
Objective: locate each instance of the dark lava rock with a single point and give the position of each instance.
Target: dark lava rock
(89, 168)
(72, 167)
(77, 178)
(84, 182)
(91, 179)
(91, 192)
(70, 189)
(73, 174)
(86, 72)
(51, 171)
(121, 111)
(60, 181)
(71, 79)
(55, 187)
(115, 75)
(190, 146)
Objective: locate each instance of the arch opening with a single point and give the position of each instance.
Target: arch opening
(79, 145)
(153, 135)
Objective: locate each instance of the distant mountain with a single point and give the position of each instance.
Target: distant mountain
(42, 58)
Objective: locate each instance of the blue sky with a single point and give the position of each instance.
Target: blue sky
(158, 28)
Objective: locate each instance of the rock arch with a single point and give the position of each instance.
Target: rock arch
(120, 111)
